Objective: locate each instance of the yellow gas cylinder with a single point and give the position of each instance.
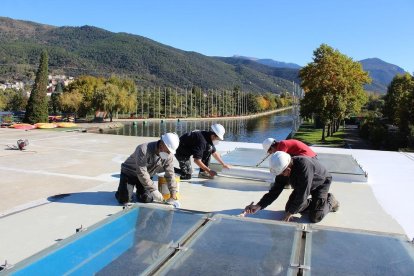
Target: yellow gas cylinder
(163, 187)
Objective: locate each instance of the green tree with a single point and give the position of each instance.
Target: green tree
(37, 108)
(3, 101)
(70, 102)
(18, 101)
(86, 86)
(398, 105)
(333, 84)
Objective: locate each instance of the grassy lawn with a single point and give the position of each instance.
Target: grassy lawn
(312, 136)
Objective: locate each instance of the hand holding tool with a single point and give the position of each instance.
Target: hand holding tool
(267, 156)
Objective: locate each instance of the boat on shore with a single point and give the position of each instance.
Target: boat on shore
(23, 126)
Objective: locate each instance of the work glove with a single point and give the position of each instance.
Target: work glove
(174, 202)
(212, 173)
(157, 196)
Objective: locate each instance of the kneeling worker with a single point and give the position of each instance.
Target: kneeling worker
(292, 147)
(200, 145)
(148, 160)
(307, 177)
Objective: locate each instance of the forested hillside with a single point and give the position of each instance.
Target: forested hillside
(89, 50)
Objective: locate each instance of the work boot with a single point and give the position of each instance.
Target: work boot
(333, 202)
(177, 170)
(121, 200)
(205, 175)
(185, 176)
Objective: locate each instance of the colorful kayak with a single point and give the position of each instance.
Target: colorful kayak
(66, 124)
(45, 125)
(23, 126)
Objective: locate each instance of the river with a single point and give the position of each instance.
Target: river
(255, 130)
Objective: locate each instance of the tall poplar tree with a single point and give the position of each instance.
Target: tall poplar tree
(37, 106)
(333, 85)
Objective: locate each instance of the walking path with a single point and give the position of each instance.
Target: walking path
(352, 139)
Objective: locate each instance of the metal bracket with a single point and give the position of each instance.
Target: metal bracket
(300, 266)
(127, 206)
(305, 228)
(5, 266)
(81, 229)
(179, 247)
(304, 267)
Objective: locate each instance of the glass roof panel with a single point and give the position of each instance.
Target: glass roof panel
(336, 252)
(244, 157)
(230, 246)
(344, 166)
(340, 163)
(126, 245)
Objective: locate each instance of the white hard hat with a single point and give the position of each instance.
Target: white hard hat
(278, 162)
(267, 143)
(171, 141)
(218, 130)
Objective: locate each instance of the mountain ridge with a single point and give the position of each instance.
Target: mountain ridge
(91, 50)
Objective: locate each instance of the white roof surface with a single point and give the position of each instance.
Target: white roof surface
(86, 166)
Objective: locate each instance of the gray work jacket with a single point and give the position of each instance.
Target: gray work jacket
(144, 163)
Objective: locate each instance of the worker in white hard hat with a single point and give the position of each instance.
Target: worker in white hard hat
(147, 160)
(308, 177)
(292, 147)
(200, 145)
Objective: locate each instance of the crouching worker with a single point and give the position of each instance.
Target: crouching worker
(148, 160)
(200, 145)
(292, 147)
(307, 177)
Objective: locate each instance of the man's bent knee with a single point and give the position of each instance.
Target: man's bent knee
(315, 217)
(122, 199)
(145, 198)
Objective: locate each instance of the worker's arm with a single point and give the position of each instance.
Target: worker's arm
(272, 195)
(204, 167)
(217, 156)
(141, 171)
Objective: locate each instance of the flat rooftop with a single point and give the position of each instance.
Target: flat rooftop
(67, 180)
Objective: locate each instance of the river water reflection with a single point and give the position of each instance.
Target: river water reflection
(278, 126)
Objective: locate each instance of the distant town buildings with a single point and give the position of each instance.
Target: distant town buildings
(53, 82)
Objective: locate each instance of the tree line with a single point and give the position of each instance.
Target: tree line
(333, 85)
(388, 121)
(87, 95)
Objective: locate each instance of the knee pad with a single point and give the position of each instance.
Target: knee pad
(145, 198)
(121, 199)
(314, 217)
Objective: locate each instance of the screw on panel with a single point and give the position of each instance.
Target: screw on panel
(127, 206)
(179, 247)
(81, 229)
(5, 266)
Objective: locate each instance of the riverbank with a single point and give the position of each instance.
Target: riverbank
(117, 123)
(346, 137)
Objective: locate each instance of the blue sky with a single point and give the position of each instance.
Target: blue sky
(288, 30)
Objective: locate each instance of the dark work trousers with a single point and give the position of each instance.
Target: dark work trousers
(185, 163)
(318, 205)
(126, 190)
